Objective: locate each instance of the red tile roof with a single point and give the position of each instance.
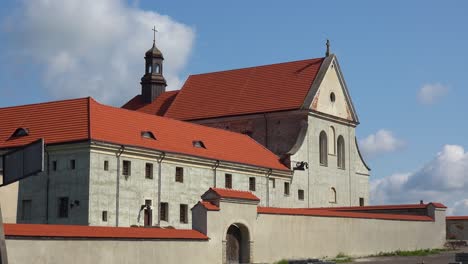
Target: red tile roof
(85, 119)
(460, 217)
(382, 207)
(157, 107)
(209, 206)
(237, 194)
(346, 214)
(268, 88)
(38, 230)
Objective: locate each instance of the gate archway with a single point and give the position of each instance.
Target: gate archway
(237, 244)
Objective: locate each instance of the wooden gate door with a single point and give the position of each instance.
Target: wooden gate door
(233, 245)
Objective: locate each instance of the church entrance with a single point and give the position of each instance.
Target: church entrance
(237, 245)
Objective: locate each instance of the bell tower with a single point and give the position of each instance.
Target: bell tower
(153, 83)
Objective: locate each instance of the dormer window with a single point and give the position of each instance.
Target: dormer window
(198, 144)
(148, 135)
(20, 132)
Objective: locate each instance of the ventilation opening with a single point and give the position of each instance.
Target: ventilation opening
(198, 144)
(20, 132)
(148, 135)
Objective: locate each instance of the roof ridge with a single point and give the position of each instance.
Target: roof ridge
(48, 102)
(258, 66)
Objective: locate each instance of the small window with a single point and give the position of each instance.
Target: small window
(286, 188)
(106, 165)
(179, 174)
(127, 168)
(104, 216)
(300, 194)
(341, 153)
(26, 210)
(157, 68)
(332, 195)
(148, 135)
(323, 148)
(62, 211)
(228, 181)
(198, 144)
(252, 184)
(54, 165)
(184, 213)
(72, 164)
(164, 212)
(332, 97)
(361, 201)
(149, 171)
(20, 132)
(273, 183)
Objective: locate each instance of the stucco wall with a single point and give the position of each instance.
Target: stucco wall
(9, 201)
(457, 229)
(278, 237)
(44, 251)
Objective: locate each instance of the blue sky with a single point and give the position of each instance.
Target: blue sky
(388, 52)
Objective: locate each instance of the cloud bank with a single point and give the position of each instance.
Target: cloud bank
(443, 179)
(95, 48)
(383, 141)
(431, 93)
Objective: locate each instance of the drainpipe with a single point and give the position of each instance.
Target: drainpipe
(159, 160)
(117, 192)
(349, 164)
(47, 186)
(215, 166)
(268, 174)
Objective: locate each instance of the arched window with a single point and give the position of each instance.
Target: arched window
(149, 68)
(341, 153)
(157, 68)
(331, 146)
(332, 195)
(323, 148)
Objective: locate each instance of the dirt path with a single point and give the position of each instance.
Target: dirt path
(442, 258)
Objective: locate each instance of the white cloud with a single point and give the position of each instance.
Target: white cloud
(444, 179)
(96, 48)
(383, 141)
(430, 93)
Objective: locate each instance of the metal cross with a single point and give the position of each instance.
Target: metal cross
(154, 34)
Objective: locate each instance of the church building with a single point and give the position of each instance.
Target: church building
(285, 132)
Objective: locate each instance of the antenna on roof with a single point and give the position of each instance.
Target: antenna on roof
(328, 48)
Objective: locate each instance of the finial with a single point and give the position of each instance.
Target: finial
(154, 34)
(328, 48)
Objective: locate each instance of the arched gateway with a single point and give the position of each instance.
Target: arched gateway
(237, 244)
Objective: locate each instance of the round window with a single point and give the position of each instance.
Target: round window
(332, 97)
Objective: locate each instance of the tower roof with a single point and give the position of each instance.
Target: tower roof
(154, 52)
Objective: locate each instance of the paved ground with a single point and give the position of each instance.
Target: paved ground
(443, 258)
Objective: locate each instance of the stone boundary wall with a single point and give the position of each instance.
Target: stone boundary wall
(457, 227)
(268, 234)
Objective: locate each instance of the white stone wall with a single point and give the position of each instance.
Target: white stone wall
(63, 182)
(350, 183)
(135, 189)
(9, 201)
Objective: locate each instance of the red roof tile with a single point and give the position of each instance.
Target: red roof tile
(460, 217)
(382, 207)
(157, 107)
(209, 206)
(345, 214)
(85, 119)
(230, 193)
(56, 122)
(268, 88)
(38, 230)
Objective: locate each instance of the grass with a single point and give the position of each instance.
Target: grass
(342, 258)
(283, 261)
(419, 252)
